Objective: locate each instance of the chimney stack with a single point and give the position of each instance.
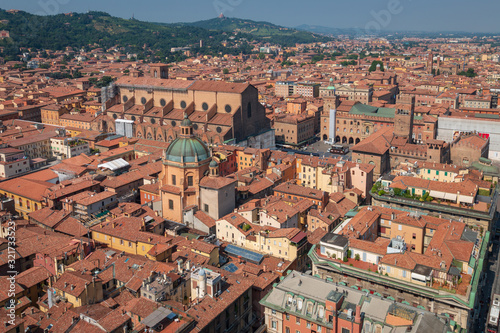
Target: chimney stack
(358, 314)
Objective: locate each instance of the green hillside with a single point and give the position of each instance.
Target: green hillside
(99, 29)
(260, 30)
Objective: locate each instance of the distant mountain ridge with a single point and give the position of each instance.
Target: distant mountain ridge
(260, 30)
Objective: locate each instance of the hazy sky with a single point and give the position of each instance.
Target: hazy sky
(421, 15)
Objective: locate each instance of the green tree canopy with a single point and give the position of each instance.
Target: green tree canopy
(374, 64)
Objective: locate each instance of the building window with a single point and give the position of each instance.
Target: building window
(249, 110)
(171, 204)
(414, 236)
(206, 208)
(174, 180)
(190, 180)
(274, 324)
(345, 330)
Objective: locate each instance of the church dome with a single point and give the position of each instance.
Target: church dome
(188, 150)
(214, 164)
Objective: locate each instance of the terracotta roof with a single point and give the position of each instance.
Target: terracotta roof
(377, 143)
(218, 86)
(27, 188)
(205, 218)
(216, 182)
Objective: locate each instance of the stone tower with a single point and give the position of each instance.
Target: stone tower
(430, 63)
(403, 122)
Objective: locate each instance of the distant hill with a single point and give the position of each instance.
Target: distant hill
(260, 30)
(99, 29)
(77, 30)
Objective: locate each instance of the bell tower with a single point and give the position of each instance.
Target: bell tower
(158, 71)
(430, 63)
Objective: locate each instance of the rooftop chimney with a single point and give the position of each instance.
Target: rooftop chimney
(358, 314)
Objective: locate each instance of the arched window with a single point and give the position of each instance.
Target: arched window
(249, 110)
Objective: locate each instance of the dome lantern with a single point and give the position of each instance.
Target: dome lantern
(186, 126)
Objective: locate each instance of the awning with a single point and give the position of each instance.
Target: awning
(450, 196)
(466, 199)
(437, 194)
(114, 165)
(419, 277)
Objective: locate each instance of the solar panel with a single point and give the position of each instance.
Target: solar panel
(156, 317)
(244, 254)
(231, 267)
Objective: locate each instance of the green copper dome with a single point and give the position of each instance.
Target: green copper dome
(188, 150)
(214, 164)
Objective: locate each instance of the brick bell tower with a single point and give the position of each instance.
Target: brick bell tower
(158, 71)
(430, 63)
